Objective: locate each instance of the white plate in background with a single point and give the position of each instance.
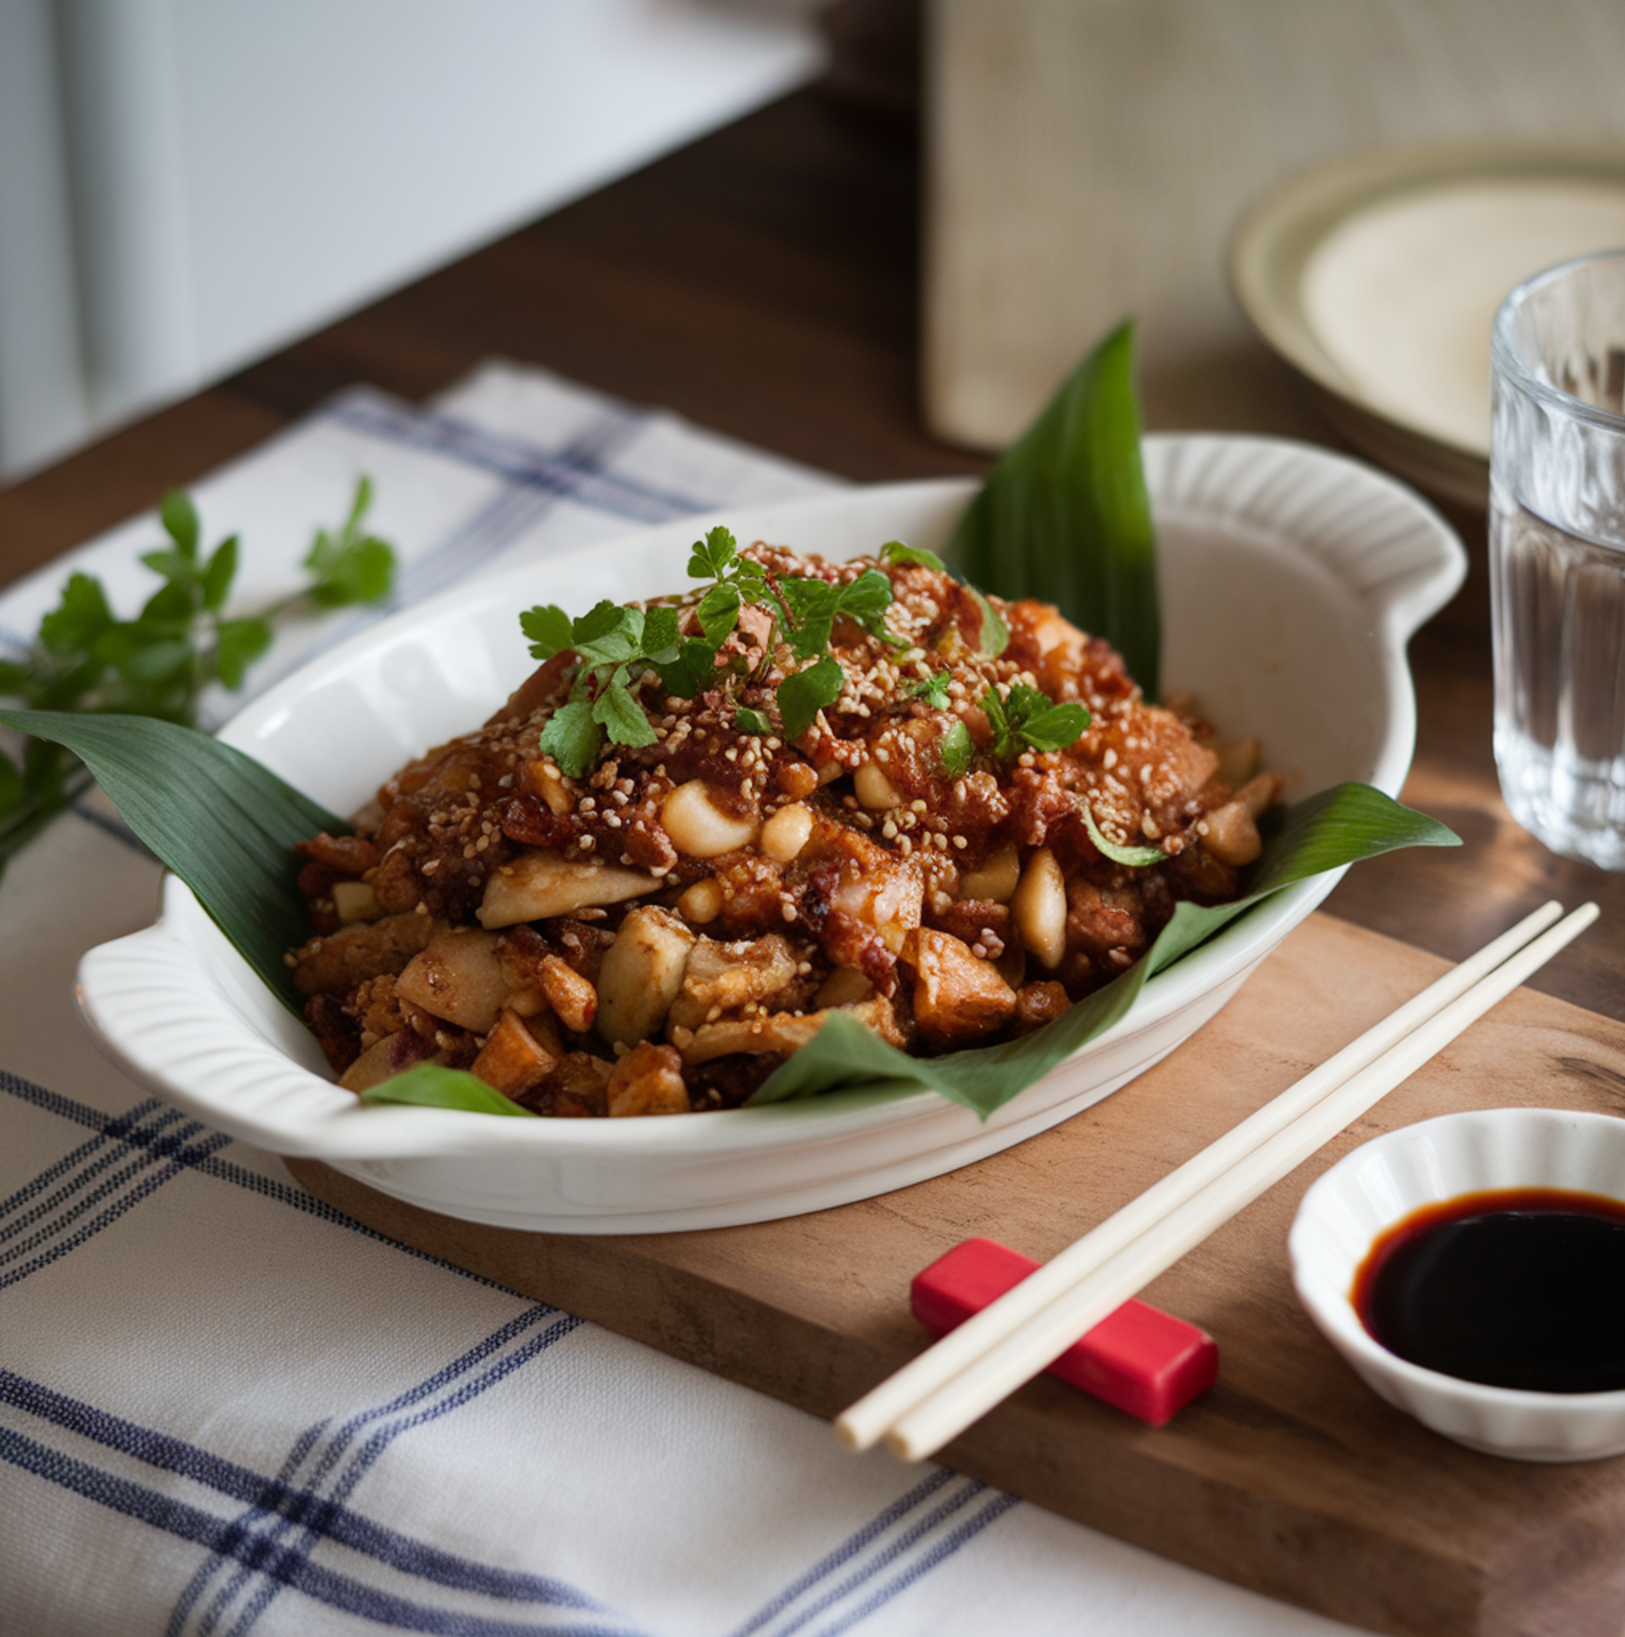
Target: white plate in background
(1379, 278)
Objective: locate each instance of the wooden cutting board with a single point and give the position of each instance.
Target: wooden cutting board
(1290, 1476)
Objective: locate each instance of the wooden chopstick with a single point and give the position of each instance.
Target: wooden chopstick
(951, 1384)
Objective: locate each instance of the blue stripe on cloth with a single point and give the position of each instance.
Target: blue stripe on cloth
(166, 1157)
(114, 1129)
(326, 1586)
(211, 1165)
(943, 1549)
(905, 1542)
(848, 1549)
(513, 459)
(342, 1525)
(368, 1453)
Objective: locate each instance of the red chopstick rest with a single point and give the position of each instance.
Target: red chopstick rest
(1138, 1359)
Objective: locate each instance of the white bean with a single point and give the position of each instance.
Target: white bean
(701, 903)
(698, 827)
(1039, 906)
(996, 880)
(874, 789)
(786, 833)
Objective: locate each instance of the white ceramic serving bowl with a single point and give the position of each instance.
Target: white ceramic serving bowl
(1291, 581)
(1386, 1179)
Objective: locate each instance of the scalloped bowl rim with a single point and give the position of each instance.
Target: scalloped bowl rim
(344, 1130)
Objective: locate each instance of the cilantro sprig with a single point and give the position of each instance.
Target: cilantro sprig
(617, 647)
(1021, 719)
(85, 658)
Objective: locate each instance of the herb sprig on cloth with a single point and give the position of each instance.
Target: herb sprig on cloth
(86, 659)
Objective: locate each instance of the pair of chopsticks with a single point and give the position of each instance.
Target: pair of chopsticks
(937, 1395)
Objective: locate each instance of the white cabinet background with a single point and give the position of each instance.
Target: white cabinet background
(185, 185)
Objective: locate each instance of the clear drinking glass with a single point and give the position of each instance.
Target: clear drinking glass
(1557, 556)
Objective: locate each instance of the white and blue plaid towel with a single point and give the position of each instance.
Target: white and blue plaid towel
(225, 1409)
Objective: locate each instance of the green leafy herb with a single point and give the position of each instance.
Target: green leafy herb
(433, 1085)
(895, 551)
(958, 749)
(934, 690)
(617, 646)
(993, 636)
(1339, 826)
(804, 693)
(1065, 516)
(1134, 857)
(1025, 719)
(85, 658)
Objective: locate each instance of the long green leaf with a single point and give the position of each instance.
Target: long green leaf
(1337, 827)
(224, 824)
(1065, 516)
(432, 1085)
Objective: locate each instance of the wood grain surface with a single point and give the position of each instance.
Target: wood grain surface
(1290, 1476)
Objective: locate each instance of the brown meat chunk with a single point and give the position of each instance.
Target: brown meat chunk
(336, 964)
(958, 1000)
(648, 1080)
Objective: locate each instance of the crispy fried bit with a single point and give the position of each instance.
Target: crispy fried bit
(659, 928)
(957, 998)
(573, 999)
(1038, 1004)
(336, 964)
(512, 1058)
(723, 978)
(648, 1080)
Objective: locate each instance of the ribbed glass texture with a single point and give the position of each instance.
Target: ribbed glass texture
(1557, 557)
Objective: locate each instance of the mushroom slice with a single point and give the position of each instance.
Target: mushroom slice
(641, 975)
(540, 884)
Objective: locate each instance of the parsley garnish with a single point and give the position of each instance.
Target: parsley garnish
(957, 750)
(934, 690)
(617, 646)
(85, 658)
(1138, 857)
(1025, 719)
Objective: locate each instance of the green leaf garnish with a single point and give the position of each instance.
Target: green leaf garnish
(804, 693)
(895, 551)
(994, 636)
(1134, 857)
(958, 749)
(1025, 719)
(752, 721)
(1065, 516)
(224, 824)
(433, 1085)
(549, 629)
(934, 690)
(572, 737)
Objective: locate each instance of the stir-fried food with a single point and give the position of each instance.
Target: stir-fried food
(707, 823)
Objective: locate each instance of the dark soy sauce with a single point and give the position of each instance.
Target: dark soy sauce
(1520, 1287)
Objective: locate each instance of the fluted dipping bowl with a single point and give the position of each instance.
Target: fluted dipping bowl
(1291, 581)
(1382, 1182)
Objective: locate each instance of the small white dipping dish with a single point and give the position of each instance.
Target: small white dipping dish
(1385, 1180)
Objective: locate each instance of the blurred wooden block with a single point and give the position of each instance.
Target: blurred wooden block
(1090, 159)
